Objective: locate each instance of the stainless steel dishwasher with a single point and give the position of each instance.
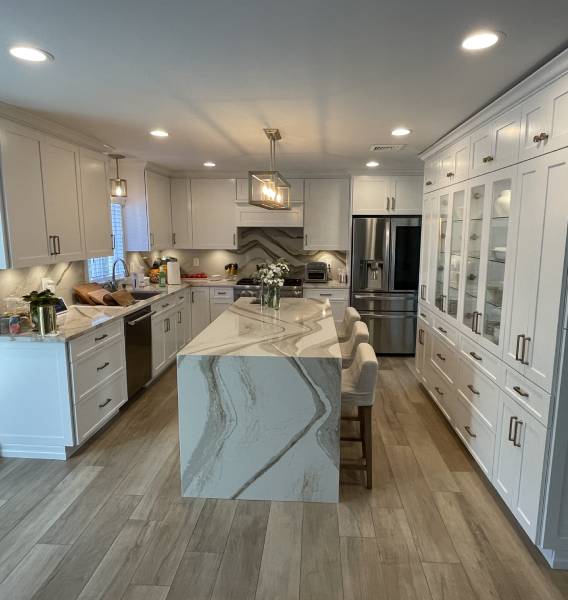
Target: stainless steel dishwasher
(138, 341)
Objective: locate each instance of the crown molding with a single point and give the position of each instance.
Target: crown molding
(28, 119)
(533, 83)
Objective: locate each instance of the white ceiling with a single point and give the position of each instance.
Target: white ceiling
(334, 75)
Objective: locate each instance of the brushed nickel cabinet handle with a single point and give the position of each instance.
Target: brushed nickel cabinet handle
(104, 366)
(421, 337)
(393, 203)
(472, 389)
(526, 340)
(511, 423)
(475, 356)
(58, 244)
(487, 159)
(234, 239)
(151, 239)
(51, 246)
(450, 174)
(112, 241)
(543, 137)
(536, 139)
(441, 357)
(388, 203)
(174, 238)
(107, 401)
(520, 391)
(473, 435)
(306, 239)
(101, 337)
(518, 425)
(179, 317)
(444, 331)
(428, 182)
(439, 391)
(518, 347)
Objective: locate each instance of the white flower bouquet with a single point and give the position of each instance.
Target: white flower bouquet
(271, 277)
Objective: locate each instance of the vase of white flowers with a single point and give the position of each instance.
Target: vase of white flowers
(271, 279)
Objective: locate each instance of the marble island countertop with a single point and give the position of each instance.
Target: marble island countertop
(302, 327)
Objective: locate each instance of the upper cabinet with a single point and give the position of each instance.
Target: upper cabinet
(213, 213)
(326, 214)
(96, 204)
(41, 197)
(182, 229)
(454, 164)
(159, 211)
(387, 195)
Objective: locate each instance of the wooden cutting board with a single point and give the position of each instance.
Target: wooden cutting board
(102, 296)
(123, 297)
(82, 290)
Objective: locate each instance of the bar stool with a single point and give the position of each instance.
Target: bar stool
(358, 384)
(359, 335)
(350, 317)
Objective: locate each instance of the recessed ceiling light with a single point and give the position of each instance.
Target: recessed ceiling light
(30, 54)
(372, 163)
(398, 131)
(209, 163)
(481, 40)
(159, 133)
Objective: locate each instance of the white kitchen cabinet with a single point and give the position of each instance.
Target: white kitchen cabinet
(534, 308)
(182, 229)
(182, 319)
(519, 463)
(338, 299)
(432, 168)
(164, 338)
(22, 195)
(497, 144)
(427, 253)
(544, 120)
(63, 211)
(422, 347)
(219, 300)
(158, 347)
(95, 197)
(386, 195)
(326, 214)
(200, 311)
(454, 163)
(406, 195)
(214, 213)
(159, 211)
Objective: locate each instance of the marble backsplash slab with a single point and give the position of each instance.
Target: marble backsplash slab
(256, 245)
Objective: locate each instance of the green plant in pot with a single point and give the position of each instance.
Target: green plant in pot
(37, 299)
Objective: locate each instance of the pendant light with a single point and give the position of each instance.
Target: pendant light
(269, 189)
(117, 185)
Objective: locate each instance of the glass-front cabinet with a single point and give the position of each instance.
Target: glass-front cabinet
(488, 219)
(443, 249)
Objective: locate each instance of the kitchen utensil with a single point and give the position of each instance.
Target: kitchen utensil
(47, 319)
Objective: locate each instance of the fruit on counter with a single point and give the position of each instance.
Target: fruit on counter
(196, 276)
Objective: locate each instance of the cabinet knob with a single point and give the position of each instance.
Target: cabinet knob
(428, 183)
(487, 159)
(470, 432)
(450, 174)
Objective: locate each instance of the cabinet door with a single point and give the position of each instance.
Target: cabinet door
(481, 150)
(23, 197)
(95, 197)
(371, 195)
(433, 235)
(200, 315)
(217, 308)
(447, 167)
(557, 100)
(182, 322)
(406, 195)
(535, 119)
(214, 213)
(506, 131)
(181, 213)
(326, 214)
(242, 190)
(544, 308)
(430, 174)
(442, 251)
(460, 153)
(425, 246)
(423, 331)
(507, 458)
(457, 202)
(159, 211)
(170, 334)
(59, 166)
(158, 344)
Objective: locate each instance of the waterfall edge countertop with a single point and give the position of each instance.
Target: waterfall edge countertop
(259, 404)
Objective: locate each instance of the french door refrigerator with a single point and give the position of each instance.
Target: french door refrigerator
(384, 286)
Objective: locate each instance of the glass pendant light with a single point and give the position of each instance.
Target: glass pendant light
(117, 185)
(269, 189)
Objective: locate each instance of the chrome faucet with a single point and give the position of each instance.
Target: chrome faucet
(113, 286)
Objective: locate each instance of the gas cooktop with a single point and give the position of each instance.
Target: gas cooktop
(288, 282)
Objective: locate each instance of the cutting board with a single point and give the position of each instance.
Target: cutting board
(82, 290)
(102, 296)
(123, 297)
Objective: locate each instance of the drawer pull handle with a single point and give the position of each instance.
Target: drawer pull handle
(472, 389)
(487, 159)
(517, 349)
(439, 391)
(101, 337)
(444, 331)
(421, 336)
(423, 316)
(475, 356)
(521, 392)
(103, 366)
(441, 357)
(165, 305)
(326, 295)
(471, 434)
(450, 174)
(526, 340)
(518, 425)
(428, 183)
(511, 423)
(107, 401)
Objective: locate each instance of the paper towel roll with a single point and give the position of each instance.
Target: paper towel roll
(174, 276)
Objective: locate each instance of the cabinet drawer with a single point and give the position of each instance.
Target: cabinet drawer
(447, 332)
(479, 391)
(95, 339)
(96, 408)
(443, 356)
(439, 390)
(164, 304)
(96, 367)
(483, 360)
(181, 297)
(329, 293)
(425, 315)
(477, 437)
(535, 400)
(221, 292)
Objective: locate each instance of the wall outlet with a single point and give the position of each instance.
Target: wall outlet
(195, 262)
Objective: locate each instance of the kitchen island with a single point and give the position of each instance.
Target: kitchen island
(259, 404)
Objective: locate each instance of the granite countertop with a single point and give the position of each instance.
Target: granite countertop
(301, 328)
(330, 285)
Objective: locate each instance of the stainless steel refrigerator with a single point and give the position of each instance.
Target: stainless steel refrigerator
(385, 265)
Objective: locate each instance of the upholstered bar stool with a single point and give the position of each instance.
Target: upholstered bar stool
(359, 335)
(358, 384)
(350, 317)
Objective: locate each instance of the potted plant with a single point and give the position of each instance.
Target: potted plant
(44, 298)
(271, 277)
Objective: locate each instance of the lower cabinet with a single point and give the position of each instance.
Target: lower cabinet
(219, 300)
(422, 345)
(200, 312)
(338, 298)
(164, 338)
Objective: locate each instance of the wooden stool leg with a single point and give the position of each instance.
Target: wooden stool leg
(361, 417)
(367, 420)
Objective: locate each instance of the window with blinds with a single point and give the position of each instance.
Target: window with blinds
(100, 269)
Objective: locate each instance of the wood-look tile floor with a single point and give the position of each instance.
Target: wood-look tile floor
(110, 523)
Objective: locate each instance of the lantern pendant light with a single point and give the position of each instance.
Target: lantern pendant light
(117, 185)
(269, 189)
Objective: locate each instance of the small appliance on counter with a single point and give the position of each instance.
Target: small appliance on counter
(173, 273)
(316, 272)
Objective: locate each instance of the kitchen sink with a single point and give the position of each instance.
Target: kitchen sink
(144, 294)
